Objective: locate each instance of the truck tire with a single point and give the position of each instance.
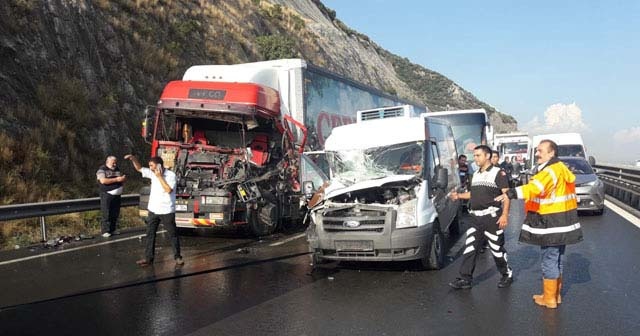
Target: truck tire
(434, 259)
(260, 228)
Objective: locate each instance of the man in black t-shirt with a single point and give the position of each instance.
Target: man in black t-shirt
(489, 218)
(463, 170)
(111, 183)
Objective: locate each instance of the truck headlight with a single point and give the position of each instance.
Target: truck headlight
(407, 215)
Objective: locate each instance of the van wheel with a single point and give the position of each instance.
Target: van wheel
(315, 258)
(434, 259)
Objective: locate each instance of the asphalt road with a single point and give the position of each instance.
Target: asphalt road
(240, 286)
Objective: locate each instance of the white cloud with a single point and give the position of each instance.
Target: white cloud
(629, 135)
(558, 118)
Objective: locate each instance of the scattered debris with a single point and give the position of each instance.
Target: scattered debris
(17, 247)
(64, 240)
(330, 278)
(243, 250)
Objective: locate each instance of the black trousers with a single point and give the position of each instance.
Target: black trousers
(484, 227)
(110, 208)
(168, 221)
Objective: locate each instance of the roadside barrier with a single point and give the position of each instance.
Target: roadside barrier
(44, 209)
(622, 182)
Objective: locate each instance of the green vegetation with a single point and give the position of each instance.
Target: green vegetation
(276, 46)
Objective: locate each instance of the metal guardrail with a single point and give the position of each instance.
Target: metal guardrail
(31, 210)
(622, 182)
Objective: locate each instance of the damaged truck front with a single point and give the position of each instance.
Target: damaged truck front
(234, 134)
(386, 199)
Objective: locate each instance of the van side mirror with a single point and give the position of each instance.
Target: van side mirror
(442, 178)
(147, 124)
(592, 160)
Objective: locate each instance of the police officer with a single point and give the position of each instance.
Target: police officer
(488, 219)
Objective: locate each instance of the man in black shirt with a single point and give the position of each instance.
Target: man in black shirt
(463, 170)
(111, 183)
(488, 219)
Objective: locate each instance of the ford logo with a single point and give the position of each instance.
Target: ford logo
(352, 223)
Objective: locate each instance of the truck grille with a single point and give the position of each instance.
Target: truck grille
(356, 219)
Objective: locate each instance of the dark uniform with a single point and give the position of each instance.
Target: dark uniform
(485, 186)
(109, 201)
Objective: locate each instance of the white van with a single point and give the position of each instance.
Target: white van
(387, 195)
(569, 144)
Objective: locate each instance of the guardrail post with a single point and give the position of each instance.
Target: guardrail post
(43, 226)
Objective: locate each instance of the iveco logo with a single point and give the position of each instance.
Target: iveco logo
(352, 223)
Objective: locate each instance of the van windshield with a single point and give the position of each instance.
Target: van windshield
(571, 150)
(515, 147)
(357, 165)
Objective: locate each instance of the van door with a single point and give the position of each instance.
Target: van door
(441, 202)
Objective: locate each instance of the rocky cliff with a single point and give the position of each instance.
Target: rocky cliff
(76, 74)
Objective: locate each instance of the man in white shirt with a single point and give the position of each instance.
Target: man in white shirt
(111, 183)
(161, 207)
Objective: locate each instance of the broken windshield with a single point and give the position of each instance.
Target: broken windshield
(357, 165)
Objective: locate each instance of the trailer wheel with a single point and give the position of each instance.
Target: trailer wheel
(434, 259)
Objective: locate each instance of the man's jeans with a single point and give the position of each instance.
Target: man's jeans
(552, 261)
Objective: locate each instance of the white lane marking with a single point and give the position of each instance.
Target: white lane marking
(75, 248)
(631, 218)
(288, 240)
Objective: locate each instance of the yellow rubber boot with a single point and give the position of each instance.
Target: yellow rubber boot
(549, 295)
(558, 299)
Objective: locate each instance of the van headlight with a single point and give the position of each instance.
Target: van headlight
(407, 215)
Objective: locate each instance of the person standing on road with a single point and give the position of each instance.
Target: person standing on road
(111, 183)
(489, 218)
(161, 207)
(551, 217)
(463, 170)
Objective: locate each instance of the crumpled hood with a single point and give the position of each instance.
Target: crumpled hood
(336, 188)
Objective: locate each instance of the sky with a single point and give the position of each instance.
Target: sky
(556, 66)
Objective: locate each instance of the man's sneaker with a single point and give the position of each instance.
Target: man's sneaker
(144, 262)
(179, 261)
(106, 235)
(460, 283)
(505, 281)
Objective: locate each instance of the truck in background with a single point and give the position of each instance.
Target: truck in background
(569, 144)
(515, 145)
(234, 134)
(387, 196)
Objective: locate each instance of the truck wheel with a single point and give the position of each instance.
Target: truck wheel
(260, 228)
(434, 259)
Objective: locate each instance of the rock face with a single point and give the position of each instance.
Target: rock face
(75, 75)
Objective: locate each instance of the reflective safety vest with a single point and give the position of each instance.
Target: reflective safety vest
(551, 206)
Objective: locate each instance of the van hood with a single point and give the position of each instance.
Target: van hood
(336, 188)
